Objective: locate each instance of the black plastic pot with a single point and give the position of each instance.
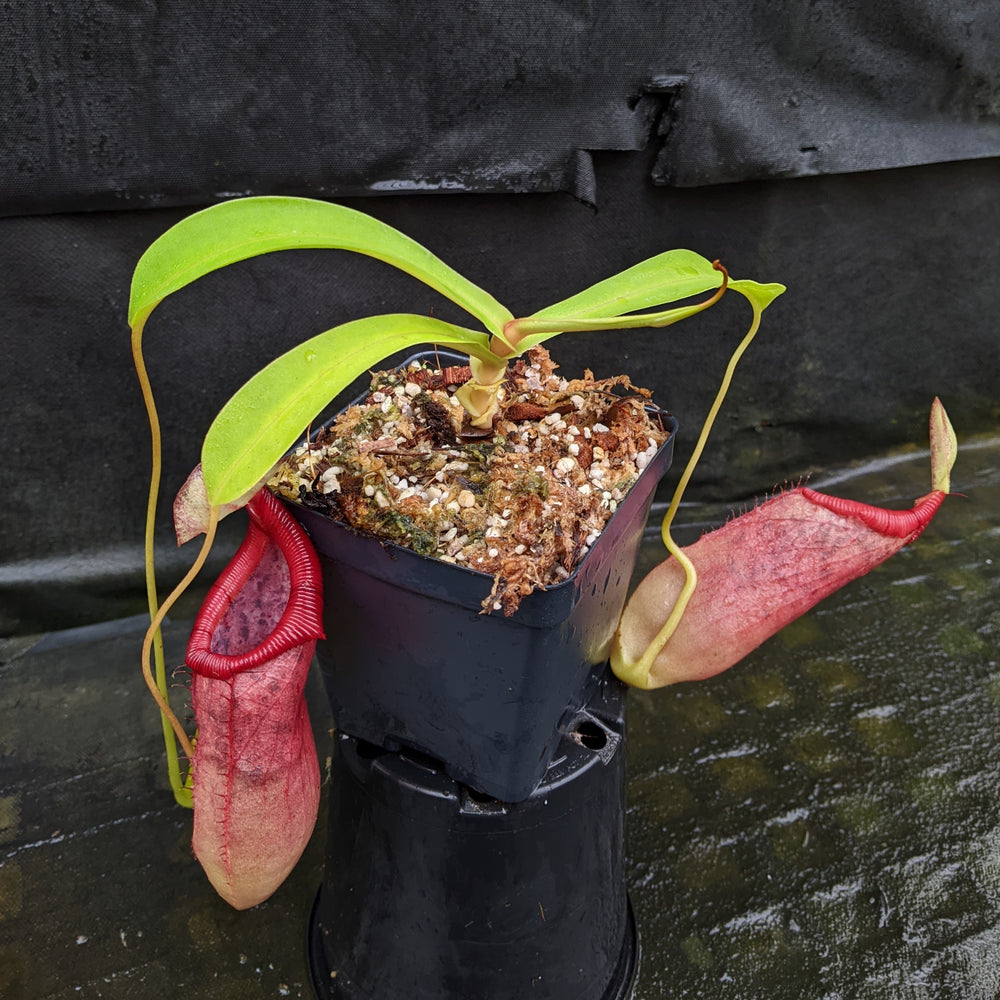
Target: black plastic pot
(410, 660)
(435, 892)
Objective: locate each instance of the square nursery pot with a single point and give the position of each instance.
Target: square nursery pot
(409, 660)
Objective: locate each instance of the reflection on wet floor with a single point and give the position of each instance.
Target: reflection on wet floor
(822, 821)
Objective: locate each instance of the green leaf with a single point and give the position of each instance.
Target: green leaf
(269, 413)
(673, 275)
(235, 230)
(664, 278)
(547, 328)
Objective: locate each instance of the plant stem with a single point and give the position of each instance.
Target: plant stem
(645, 662)
(154, 638)
(171, 724)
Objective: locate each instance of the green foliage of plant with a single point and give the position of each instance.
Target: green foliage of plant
(247, 227)
(261, 422)
(267, 415)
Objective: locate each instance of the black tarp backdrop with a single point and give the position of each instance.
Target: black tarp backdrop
(125, 105)
(626, 123)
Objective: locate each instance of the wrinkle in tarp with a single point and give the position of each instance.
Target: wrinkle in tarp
(122, 106)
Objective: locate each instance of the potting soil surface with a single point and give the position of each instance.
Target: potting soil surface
(523, 502)
(822, 821)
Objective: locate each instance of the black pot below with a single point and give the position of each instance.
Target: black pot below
(435, 892)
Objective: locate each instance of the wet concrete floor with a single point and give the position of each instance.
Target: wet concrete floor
(823, 821)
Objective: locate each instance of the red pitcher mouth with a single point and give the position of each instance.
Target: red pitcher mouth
(301, 619)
